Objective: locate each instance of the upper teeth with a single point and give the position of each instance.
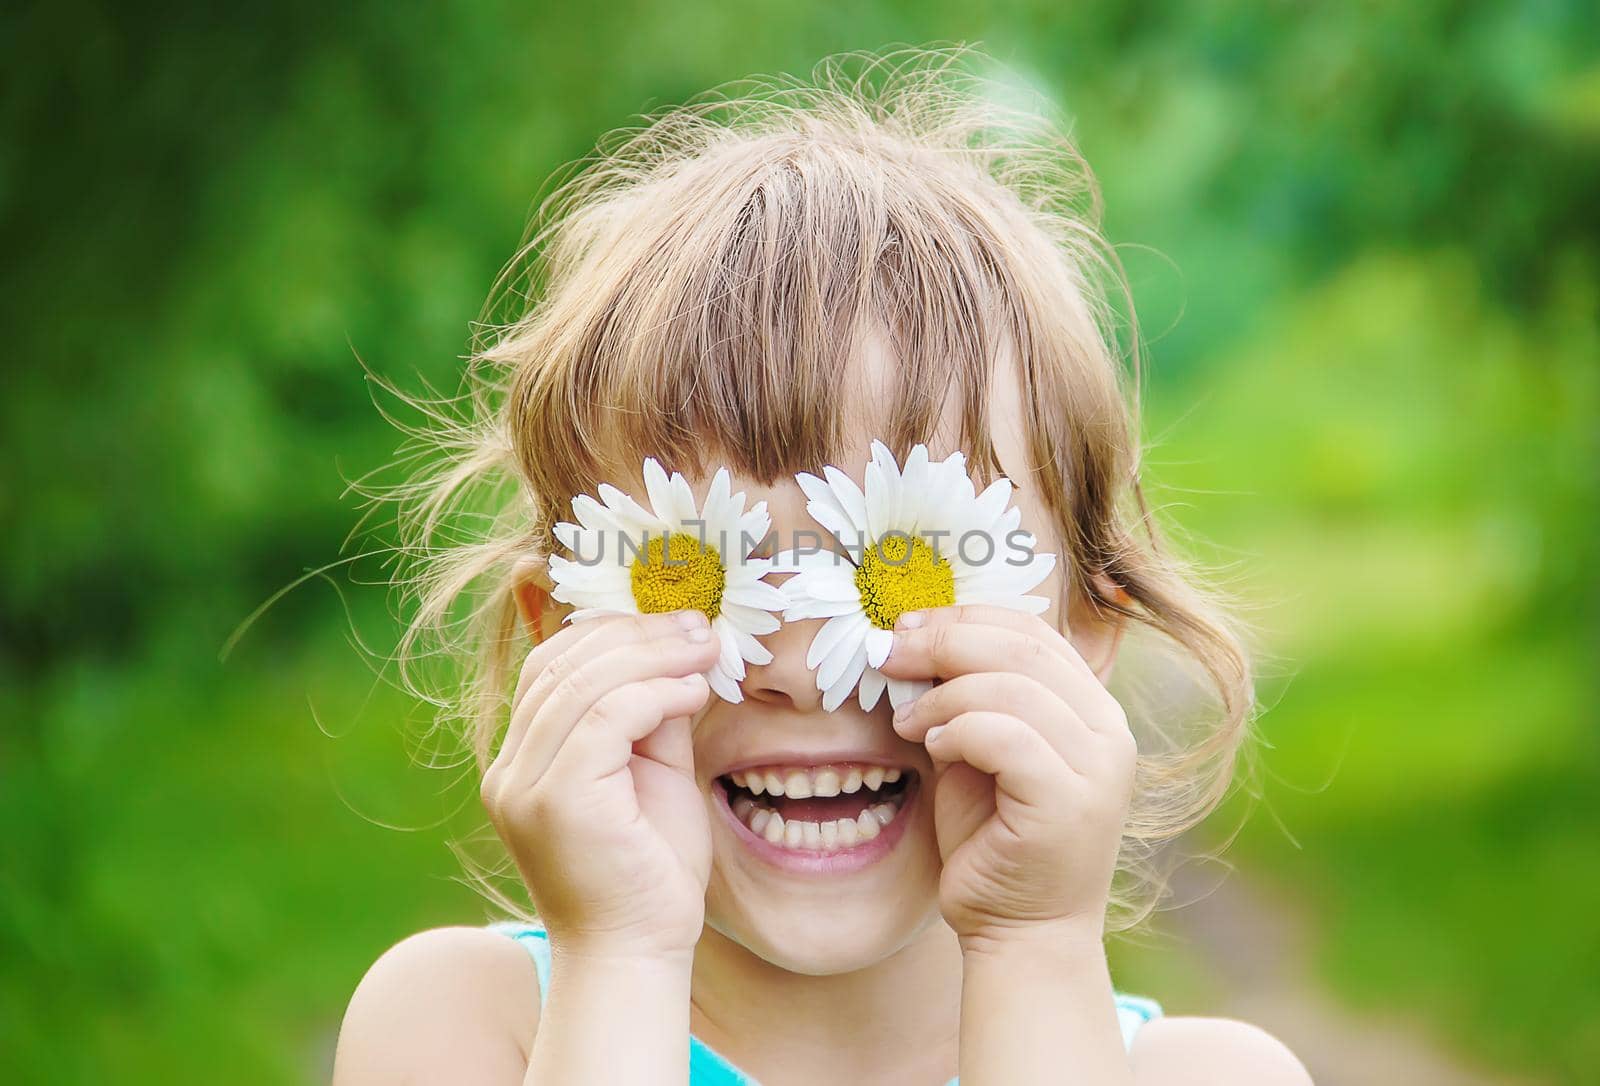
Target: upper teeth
(804, 782)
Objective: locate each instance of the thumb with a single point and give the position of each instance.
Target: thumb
(671, 745)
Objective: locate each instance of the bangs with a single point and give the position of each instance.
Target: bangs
(704, 294)
(721, 315)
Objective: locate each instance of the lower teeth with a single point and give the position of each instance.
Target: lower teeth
(830, 836)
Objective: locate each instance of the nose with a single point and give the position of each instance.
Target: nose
(786, 682)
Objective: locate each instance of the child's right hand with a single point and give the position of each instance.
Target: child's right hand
(593, 790)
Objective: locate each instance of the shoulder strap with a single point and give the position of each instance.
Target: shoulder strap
(1132, 1012)
(707, 1066)
(536, 941)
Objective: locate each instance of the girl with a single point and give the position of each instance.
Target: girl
(780, 823)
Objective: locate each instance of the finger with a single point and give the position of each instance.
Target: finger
(987, 614)
(963, 800)
(997, 691)
(945, 650)
(553, 660)
(620, 627)
(566, 691)
(1015, 755)
(539, 657)
(672, 744)
(630, 714)
(1008, 619)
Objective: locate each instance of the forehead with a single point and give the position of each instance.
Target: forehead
(875, 384)
(870, 389)
(869, 400)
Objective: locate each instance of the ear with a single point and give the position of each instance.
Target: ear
(1096, 632)
(531, 586)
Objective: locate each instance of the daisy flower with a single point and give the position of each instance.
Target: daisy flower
(918, 538)
(627, 559)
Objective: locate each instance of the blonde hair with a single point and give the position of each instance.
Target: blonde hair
(696, 291)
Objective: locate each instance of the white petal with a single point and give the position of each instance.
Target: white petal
(823, 506)
(1011, 601)
(724, 686)
(884, 458)
(990, 552)
(963, 512)
(729, 659)
(954, 468)
(595, 547)
(1008, 522)
(749, 619)
(575, 576)
(949, 502)
(801, 609)
(913, 497)
(616, 599)
(880, 505)
(833, 696)
(799, 599)
(1000, 576)
(749, 569)
(871, 688)
(612, 599)
(757, 594)
(594, 516)
(718, 509)
(584, 614)
(878, 643)
(658, 489)
(683, 508)
(803, 561)
(833, 633)
(753, 651)
(905, 691)
(1043, 565)
(750, 530)
(837, 583)
(841, 659)
(992, 502)
(628, 512)
(849, 496)
(895, 491)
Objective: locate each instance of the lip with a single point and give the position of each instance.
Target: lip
(843, 862)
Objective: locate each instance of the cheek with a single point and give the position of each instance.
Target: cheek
(1037, 521)
(1057, 615)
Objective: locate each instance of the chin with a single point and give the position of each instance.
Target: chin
(822, 865)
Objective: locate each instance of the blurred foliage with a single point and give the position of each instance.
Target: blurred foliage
(1366, 259)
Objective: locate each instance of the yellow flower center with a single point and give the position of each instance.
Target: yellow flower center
(677, 574)
(902, 574)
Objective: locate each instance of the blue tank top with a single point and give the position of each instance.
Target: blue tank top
(707, 1068)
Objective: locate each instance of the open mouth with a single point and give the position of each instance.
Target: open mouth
(819, 809)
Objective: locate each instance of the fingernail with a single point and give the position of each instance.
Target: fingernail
(909, 620)
(902, 713)
(699, 634)
(933, 733)
(692, 619)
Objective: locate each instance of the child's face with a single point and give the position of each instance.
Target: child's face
(811, 906)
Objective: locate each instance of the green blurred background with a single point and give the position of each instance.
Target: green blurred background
(1363, 239)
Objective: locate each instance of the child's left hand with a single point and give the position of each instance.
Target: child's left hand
(1033, 765)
